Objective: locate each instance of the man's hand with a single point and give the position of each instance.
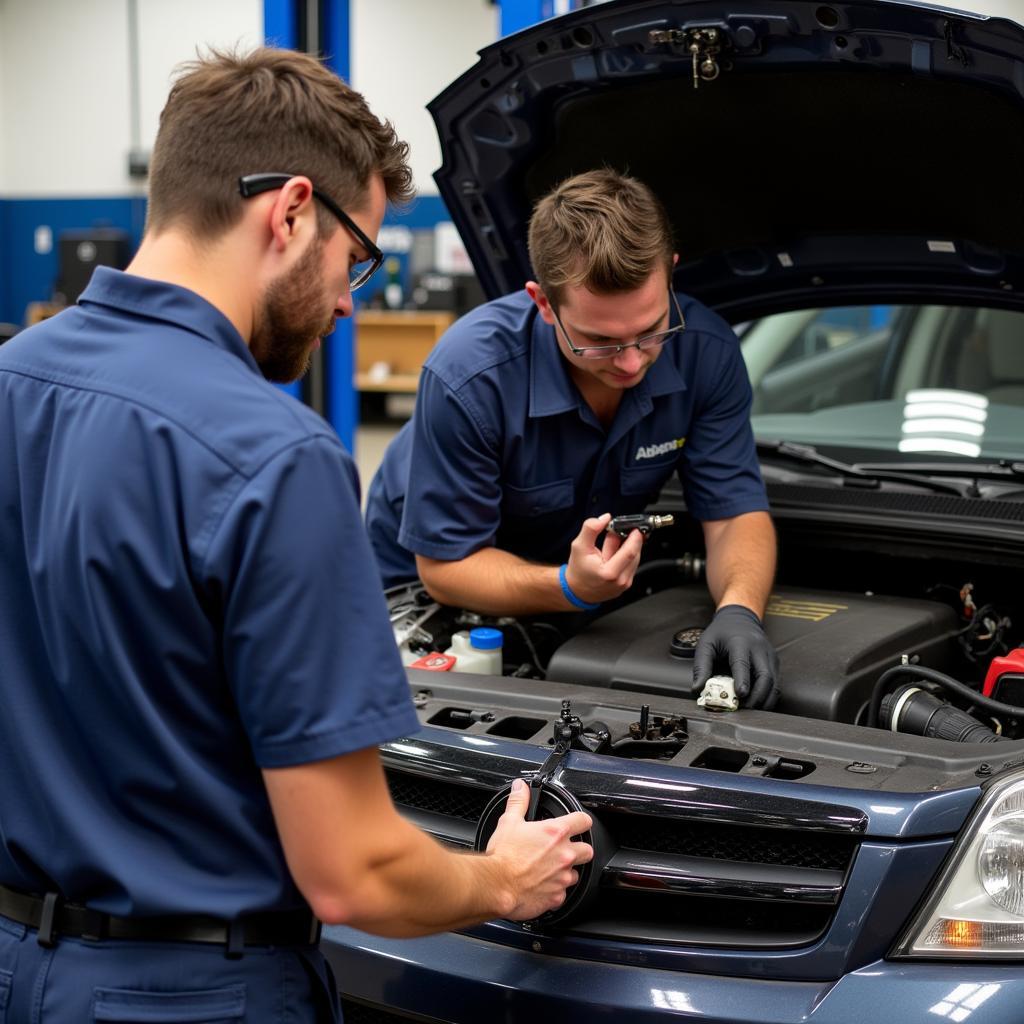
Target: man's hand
(539, 856)
(598, 574)
(736, 636)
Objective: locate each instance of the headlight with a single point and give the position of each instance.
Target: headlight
(977, 907)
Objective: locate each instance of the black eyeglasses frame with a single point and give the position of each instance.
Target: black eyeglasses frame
(644, 344)
(250, 185)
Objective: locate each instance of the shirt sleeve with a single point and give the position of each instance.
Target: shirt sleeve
(720, 472)
(453, 499)
(308, 649)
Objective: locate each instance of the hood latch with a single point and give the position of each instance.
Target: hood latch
(703, 44)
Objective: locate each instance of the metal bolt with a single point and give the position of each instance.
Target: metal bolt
(984, 769)
(536, 946)
(758, 761)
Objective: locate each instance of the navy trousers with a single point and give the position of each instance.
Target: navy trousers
(159, 983)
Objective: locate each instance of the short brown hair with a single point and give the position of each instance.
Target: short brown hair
(600, 229)
(231, 114)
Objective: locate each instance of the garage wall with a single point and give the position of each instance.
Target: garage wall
(67, 63)
(1013, 9)
(4, 301)
(404, 52)
(69, 117)
(68, 120)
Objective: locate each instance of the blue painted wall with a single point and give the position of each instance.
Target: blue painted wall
(520, 14)
(339, 356)
(4, 300)
(29, 276)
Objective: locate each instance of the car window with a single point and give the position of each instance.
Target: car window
(862, 375)
(829, 329)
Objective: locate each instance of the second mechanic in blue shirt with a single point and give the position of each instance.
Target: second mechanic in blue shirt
(540, 412)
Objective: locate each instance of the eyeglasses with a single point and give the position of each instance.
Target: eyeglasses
(644, 344)
(255, 184)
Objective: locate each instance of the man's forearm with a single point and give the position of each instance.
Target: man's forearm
(358, 862)
(419, 888)
(493, 582)
(741, 560)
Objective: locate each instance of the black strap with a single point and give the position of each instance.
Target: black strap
(53, 917)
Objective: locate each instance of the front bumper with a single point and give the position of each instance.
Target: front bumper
(460, 979)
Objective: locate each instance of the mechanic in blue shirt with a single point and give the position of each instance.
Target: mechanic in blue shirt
(570, 401)
(197, 659)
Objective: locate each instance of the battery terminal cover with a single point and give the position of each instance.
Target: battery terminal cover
(719, 694)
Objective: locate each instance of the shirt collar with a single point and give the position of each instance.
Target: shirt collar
(552, 390)
(170, 303)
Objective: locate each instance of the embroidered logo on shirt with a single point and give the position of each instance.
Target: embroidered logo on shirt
(652, 451)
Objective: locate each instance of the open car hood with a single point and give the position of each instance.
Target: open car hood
(827, 153)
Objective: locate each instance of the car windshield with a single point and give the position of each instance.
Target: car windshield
(907, 380)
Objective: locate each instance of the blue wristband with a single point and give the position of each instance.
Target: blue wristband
(584, 606)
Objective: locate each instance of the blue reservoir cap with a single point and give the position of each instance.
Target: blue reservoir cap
(485, 639)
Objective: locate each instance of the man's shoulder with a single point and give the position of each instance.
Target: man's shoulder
(166, 375)
(494, 334)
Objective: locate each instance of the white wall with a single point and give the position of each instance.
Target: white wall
(995, 8)
(3, 122)
(66, 120)
(65, 112)
(170, 31)
(404, 52)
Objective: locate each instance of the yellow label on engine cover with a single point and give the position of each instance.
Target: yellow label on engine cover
(811, 611)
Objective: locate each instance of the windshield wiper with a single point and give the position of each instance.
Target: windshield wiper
(860, 476)
(1004, 469)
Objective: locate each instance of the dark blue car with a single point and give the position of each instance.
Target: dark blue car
(846, 182)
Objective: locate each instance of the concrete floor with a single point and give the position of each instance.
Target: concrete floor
(371, 440)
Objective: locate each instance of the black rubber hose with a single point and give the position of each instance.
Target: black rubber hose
(972, 697)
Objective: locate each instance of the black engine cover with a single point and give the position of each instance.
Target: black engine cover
(832, 646)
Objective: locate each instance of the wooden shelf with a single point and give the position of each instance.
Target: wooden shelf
(398, 339)
(393, 382)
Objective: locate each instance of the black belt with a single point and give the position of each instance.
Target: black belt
(52, 916)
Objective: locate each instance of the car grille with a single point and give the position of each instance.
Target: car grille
(441, 798)
(730, 842)
(676, 881)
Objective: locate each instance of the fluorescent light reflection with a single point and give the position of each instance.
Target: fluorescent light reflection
(963, 1001)
(675, 787)
(940, 444)
(670, 999)
(966, 412)
(943, 426)
(944, 395)
(938, 413)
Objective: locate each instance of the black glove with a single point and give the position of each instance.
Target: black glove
(736, 636)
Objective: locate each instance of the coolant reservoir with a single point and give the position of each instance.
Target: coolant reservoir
(478, 650)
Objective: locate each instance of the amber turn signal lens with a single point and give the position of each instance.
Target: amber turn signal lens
(962, 934)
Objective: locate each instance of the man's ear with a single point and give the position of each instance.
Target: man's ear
(292, 212)
(540, 300)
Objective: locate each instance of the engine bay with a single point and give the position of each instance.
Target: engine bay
(930, 652)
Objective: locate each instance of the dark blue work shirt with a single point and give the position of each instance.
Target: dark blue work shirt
(503, 450)
(187, 596)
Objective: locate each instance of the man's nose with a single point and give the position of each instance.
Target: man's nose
(629, 360)
(344, 305)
